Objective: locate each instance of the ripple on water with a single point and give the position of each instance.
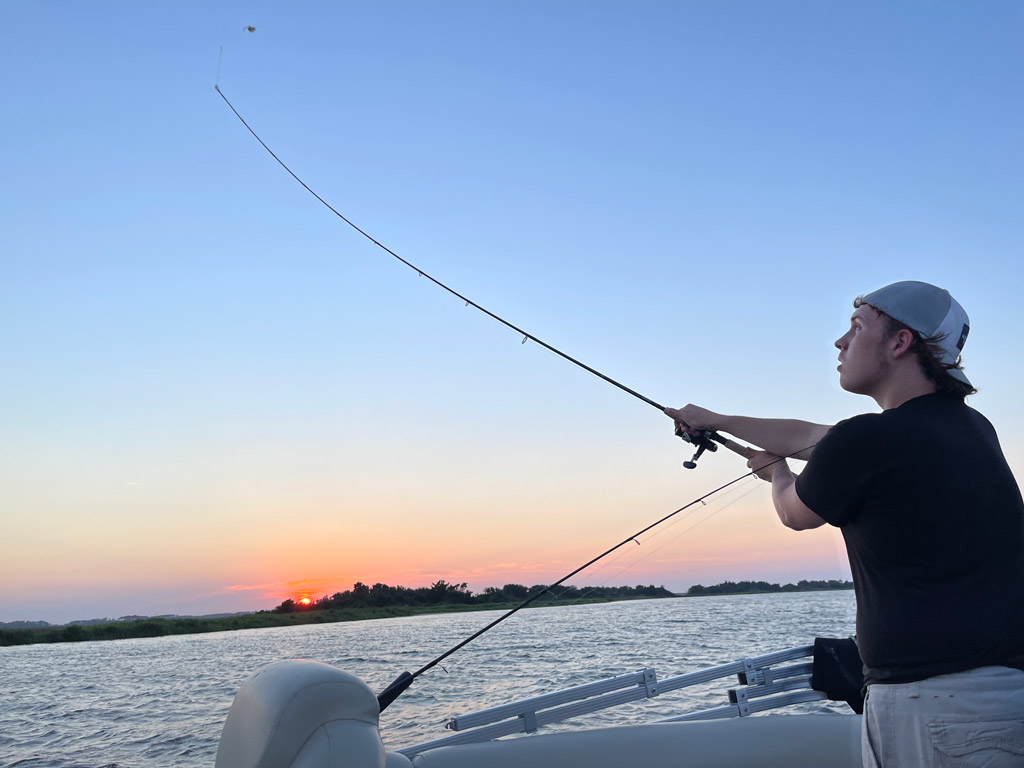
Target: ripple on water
(155, 702)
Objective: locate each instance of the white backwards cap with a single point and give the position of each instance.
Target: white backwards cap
(930, 311)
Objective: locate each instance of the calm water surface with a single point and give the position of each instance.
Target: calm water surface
(162, 701)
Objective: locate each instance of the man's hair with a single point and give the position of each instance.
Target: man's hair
(929, 356)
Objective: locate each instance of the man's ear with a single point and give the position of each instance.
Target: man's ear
(900, 343)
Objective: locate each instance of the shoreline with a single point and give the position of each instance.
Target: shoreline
(162, 627)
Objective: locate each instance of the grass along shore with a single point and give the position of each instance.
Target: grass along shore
(159, 627)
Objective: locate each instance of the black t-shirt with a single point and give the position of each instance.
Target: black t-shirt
(934, 527)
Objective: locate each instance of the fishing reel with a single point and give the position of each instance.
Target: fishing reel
(702, 440)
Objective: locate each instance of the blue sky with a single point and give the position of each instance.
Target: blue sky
(215, 391)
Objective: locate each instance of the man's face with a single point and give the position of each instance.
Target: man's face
(863, 364)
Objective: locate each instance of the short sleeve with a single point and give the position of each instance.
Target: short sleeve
(833, 483)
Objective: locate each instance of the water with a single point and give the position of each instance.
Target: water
(162, 701)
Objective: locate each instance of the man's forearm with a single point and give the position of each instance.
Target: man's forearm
(783, 437)
(791, 510)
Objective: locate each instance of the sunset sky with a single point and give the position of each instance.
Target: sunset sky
(216, 395)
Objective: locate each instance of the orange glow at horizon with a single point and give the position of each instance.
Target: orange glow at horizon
(755, 549)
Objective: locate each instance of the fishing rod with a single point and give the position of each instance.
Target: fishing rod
(404, 680)
(703, 440)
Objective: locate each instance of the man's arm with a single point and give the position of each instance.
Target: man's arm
(782, 437)
(791, 511)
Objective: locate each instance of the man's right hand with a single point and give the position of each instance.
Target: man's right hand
(694, 419)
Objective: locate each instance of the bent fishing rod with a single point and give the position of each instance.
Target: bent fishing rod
(703, 440)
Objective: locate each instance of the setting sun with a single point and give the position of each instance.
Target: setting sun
(305, 601)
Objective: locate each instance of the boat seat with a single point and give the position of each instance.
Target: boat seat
(301, 714)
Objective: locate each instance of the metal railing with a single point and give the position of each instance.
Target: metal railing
(763, 686)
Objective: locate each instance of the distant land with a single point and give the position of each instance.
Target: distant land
(762, 587)
(379, 601)
(108, 620)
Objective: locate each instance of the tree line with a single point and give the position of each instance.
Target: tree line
(744, 587)
(357, 604)
(443, 593)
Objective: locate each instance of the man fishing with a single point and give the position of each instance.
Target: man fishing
(934, 528)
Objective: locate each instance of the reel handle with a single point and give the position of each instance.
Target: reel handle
(706, 440)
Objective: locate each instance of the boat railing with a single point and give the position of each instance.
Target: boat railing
(763, 686)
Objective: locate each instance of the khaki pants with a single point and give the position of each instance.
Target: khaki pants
(969, 719)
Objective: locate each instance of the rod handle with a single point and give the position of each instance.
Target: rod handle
(732, 445)
(393, 691)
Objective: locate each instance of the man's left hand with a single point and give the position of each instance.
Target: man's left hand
(764, 464)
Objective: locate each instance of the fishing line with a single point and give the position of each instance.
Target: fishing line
(700, 522)
(646, 551)
(650, 552)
